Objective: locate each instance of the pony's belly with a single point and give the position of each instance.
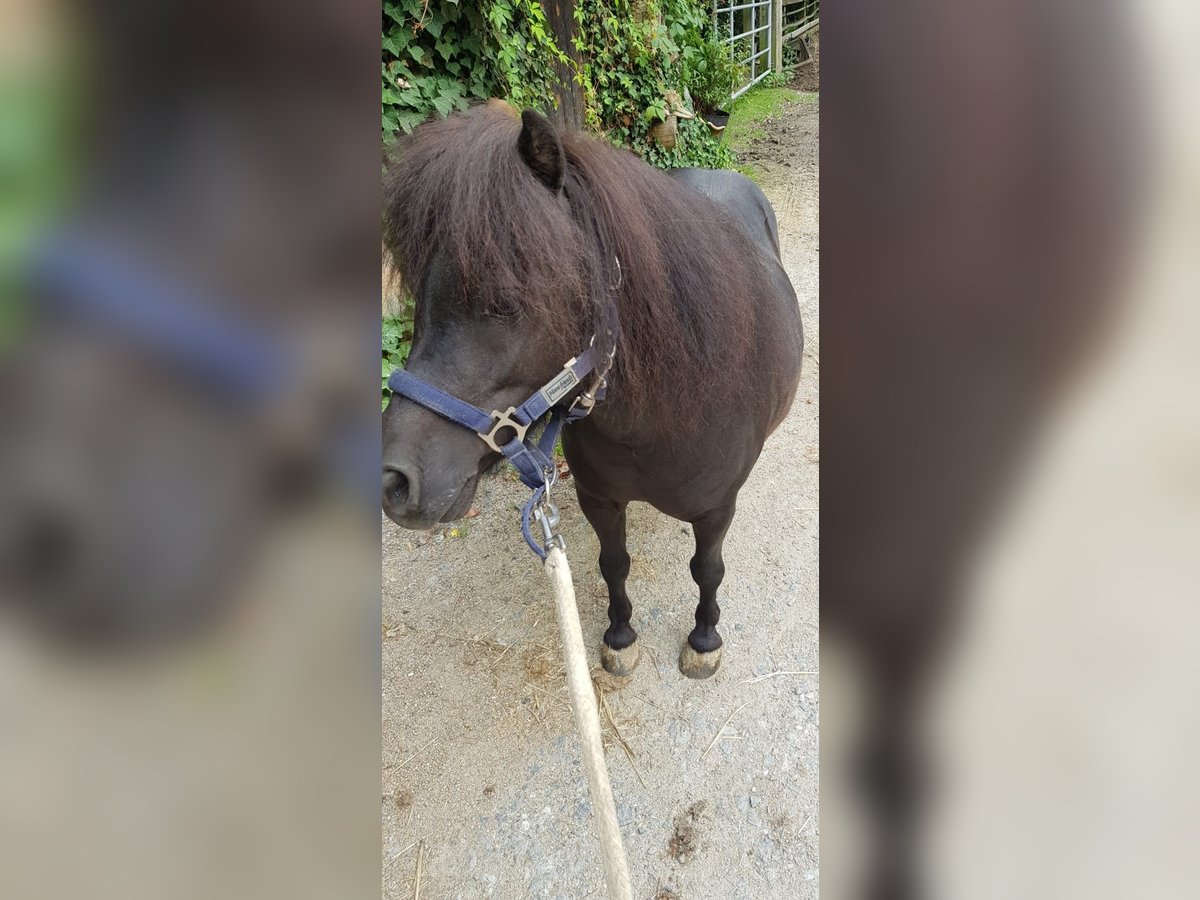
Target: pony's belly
(683, 480)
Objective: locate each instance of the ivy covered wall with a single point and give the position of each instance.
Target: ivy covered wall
(633, 63)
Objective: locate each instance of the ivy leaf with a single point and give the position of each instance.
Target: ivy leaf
(409, 119)
(655, 111)
(395, 13)
(391, 335)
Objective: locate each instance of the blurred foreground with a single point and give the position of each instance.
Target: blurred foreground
(1010, 450)
(189, 580)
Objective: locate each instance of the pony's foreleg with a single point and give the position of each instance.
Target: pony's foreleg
(893, 779)
(701, 655)
(619, 653)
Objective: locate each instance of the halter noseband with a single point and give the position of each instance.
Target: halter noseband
(534, 461)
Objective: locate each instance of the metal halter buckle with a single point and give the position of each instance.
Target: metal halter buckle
(501, 420)
(587, 399)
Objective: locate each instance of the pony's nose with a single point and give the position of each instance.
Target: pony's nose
(400, 490)
(40, 546)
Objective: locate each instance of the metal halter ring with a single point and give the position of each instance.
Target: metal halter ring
(502, 420)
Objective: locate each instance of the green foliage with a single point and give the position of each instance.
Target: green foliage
(791, 63)
(695, 146)
(635, 59)
(711, 74)
(397, 341)
(777, 79)
(40, 107)
(792, 57)
(438, 56)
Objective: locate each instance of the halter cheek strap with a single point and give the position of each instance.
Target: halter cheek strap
(534, 462)
(117, 292)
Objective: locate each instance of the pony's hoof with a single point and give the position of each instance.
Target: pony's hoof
(698, 665)
(619, 662)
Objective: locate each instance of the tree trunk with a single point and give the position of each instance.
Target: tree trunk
(560, 15)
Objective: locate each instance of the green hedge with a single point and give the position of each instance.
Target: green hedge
(438, 57)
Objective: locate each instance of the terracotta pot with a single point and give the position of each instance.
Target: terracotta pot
(666, 132)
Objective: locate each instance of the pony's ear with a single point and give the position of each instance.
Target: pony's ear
(541, 149)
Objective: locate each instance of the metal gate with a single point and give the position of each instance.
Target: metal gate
(756, 30)
(747, 26)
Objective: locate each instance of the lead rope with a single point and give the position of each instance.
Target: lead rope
(579, 679)
(536, 466)
(587, 723)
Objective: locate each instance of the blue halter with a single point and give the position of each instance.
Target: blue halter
(95, 283)
(534, 461)
(117, 293)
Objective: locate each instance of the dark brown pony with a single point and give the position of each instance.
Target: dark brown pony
(511, 237)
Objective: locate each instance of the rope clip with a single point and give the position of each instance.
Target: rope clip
(548, 517)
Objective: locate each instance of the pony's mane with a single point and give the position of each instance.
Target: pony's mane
(686, 271)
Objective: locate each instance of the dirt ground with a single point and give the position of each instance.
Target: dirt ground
(716, 781)
(808, 76)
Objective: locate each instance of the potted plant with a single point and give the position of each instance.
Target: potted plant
(711, 75)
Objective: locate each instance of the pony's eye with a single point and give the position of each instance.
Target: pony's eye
(502, 307)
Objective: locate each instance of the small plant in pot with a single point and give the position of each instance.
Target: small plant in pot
(711, 75)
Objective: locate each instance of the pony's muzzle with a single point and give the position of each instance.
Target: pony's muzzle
(401, 493)
(40, 548)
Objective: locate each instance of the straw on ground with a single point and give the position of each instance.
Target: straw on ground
(717, 736)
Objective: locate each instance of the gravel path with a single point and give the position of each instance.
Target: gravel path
(483, 788)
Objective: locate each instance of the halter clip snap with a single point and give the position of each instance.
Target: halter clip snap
(548, 517)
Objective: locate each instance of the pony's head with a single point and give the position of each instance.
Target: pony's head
(481, 234)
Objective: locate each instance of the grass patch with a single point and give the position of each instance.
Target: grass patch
(749, 171)
(755, 107)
